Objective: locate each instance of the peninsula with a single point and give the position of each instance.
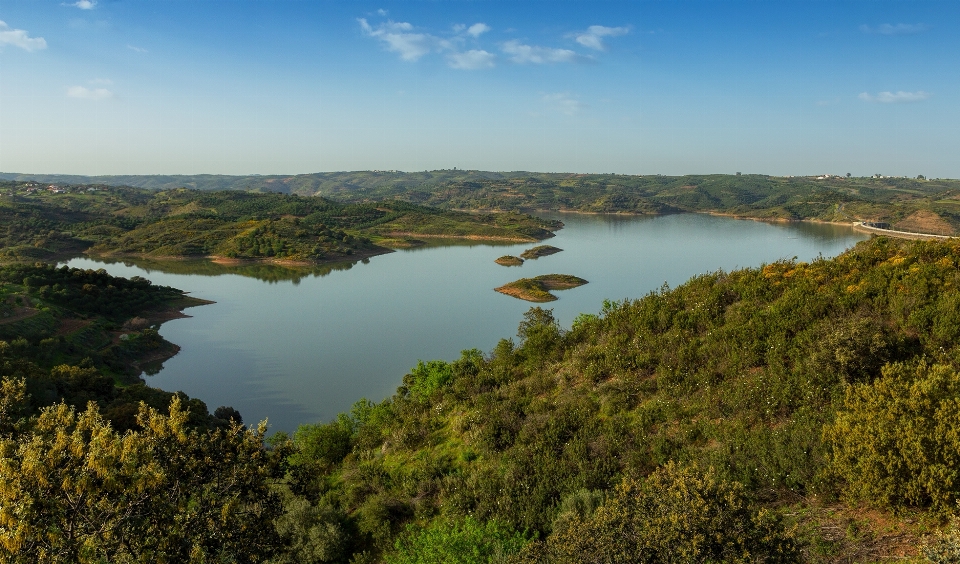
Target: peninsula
(44, 223)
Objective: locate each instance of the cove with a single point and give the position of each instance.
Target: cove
(301, 346)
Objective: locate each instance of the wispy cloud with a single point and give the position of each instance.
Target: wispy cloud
(382, 12)
(897, 29)
(478, 29)
(137, 49)
(84, 93)
(895, 97)
(471, 60)
(563, 102)
(523, 54)
(399, 37)
(20, 38)
(402, 38)
(84, 4)
(593, 37)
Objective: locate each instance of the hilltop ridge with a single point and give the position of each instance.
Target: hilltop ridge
(908, 203)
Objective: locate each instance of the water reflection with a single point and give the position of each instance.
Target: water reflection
(265, 272)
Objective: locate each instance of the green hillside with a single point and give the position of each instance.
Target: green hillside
(798, 412)
(828, 198)
(40, 223)
(824, 394)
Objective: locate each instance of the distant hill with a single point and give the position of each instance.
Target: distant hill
(324, 183)
(928, 206)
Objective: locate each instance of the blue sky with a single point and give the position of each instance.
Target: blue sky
(670, 87)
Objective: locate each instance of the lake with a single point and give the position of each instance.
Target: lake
(300, 349)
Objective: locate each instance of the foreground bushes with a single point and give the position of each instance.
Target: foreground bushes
(463, 541)
(74, 490)
(672, 428)
(896, 441)
(678, 514)
(736, 372)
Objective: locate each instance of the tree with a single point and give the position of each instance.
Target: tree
(539, 332)
(13, 404)
(75, 490)
(228, 413)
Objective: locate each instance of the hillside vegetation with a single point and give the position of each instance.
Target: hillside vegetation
(796, 412)
(39, 223)
(82, 335)
(912, 204)
(795, 384)
(793, 412)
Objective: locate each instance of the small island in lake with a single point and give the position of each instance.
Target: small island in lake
(539, 251)
(538, 289)
(509, 260)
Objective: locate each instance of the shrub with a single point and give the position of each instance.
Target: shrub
(321, 445)
(76, 490)
(315, 534)
(943, 547)
(678, 514)
(426, 378)
(896, 442)
(465, 541)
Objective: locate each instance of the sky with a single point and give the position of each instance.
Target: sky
(642, 87)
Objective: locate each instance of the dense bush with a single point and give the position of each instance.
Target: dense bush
(463, 541)
(896, 441)
(75, 490)
(678, 514)
(738, 372)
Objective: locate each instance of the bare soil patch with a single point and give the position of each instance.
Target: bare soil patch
(925, 221)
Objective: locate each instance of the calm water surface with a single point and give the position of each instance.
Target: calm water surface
(299, 352)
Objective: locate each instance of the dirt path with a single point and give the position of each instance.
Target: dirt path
(19, 314)
(68, 326)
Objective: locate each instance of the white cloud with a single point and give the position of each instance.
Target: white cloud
(898, 29)
(593, 37)
(20, 38)
(381, 12)
(471, 60)
(137, 49)
(520, 53)
(399, 37)
(84, 4)
(411, 45)
(895, 97)
(84, 93)
(563, 102)
(478, 29)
